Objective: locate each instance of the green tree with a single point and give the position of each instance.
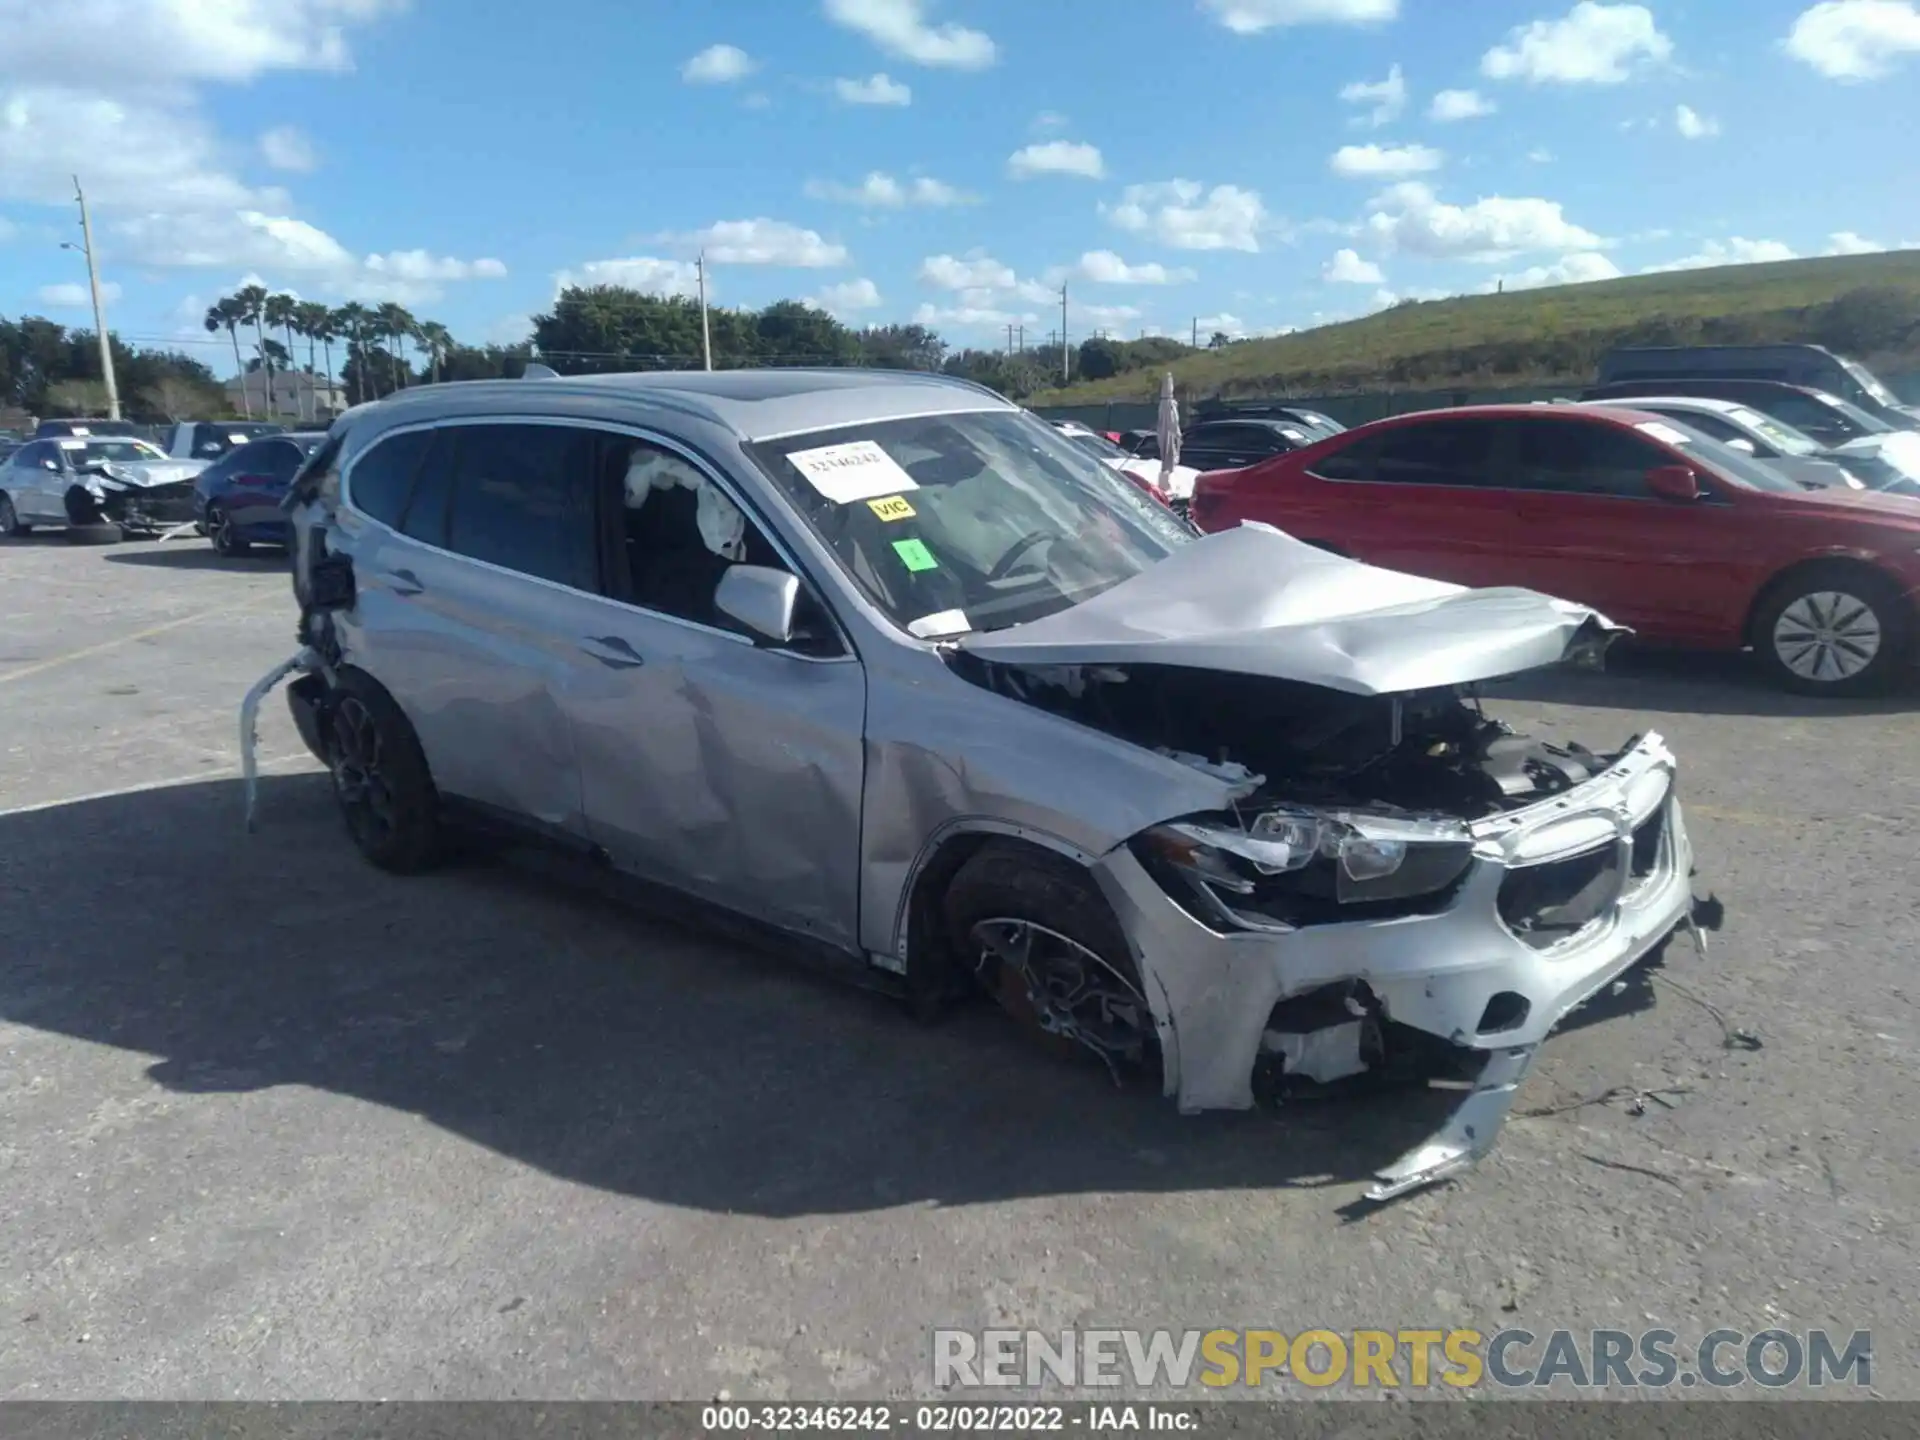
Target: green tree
(902, 347)
(312, 320)
(351, 320)
(436, 341)
(227, 314)
(1100, 358)
(393, 321)
(253, 301)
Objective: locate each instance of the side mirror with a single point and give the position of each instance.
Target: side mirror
(1743, 445)
(1673, 482)
(761, 598)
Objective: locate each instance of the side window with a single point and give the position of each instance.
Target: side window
(1798, 410)
(1351, 462)
(282, 459)
(32, 457)
(379, 480)
(430, 505)
(679, 532)
(522, 499)
(1585, 458)
(1441, 452)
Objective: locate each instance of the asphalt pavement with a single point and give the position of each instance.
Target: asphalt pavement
(276, 1125)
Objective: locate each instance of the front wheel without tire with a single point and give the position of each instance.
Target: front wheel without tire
(380, 778)
(10, 526)
(1836, 630)
(1044, 943)
(104, 533)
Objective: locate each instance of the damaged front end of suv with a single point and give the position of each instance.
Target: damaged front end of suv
(1395, 886)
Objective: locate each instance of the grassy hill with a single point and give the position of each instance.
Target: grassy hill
(1864, 306)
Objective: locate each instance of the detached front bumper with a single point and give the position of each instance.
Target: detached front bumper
(1475, 975)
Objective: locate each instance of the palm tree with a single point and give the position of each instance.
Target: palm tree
(351, 321)
(313, 318)
(253, 300)
(438, 341)
(396, 324)
(279, 311)
(225, 314)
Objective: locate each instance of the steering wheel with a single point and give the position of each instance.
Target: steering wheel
(1003, 567)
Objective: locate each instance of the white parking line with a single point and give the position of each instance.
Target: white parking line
(105, 645)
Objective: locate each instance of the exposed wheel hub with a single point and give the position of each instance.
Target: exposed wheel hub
(1063, 989)
(358, 776)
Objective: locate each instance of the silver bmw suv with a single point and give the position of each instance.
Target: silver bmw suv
(887, 664)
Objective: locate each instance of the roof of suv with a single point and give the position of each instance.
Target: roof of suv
(754, 404)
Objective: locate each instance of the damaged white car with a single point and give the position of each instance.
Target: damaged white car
(895, 669)
(99, 489)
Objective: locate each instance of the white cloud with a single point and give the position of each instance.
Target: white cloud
(762, 241)
(1056, 157)
(1250, 17)
(902, 28)
(977, 271)
(286, 148)
(1347, 268)
(718, 65)
(1593, 44)
(1388, 97)
(1185, 215)
(1048, 120)
(1540, 155)
(1575, 269)
(1845, 242)
(1385, 161)
(1732, 252)
(1692, 125)
(1450, 105)
(420, 265)
(72, 295)
(1086, 319)
(1855, 39)
(646, 273)
(1103, 267)
(881, 191)
(966, 316)
(1232, 326)
(1409, 217)
(879, 89)
(849, 298)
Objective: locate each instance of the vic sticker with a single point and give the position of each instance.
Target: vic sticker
(846, 473)
(892, 508)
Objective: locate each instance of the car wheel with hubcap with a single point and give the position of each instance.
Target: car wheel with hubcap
(1834, 630)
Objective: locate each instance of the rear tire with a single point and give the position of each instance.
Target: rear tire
(104, 533)
(1834, 630)
(380, 778)
(10, 526)
(225, 535)
(1015, 908)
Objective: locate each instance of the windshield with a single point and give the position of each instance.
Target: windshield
(1777, 433)
(951, 523)
(1731, 464)
(1869, 382)
(115, 450)
(1097, 445)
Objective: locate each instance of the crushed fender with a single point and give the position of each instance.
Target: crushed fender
(304, 659)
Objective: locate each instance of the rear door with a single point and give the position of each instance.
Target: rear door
(1422, 497)
(35, 488)
(477, 555)
(1591, 531)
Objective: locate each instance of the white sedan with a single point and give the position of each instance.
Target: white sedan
(1179, 482)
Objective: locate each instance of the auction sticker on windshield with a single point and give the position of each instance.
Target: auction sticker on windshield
(857, 471)
(915, 555)
(1662, 432)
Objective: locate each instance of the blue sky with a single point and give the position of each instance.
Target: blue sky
(1249, 165)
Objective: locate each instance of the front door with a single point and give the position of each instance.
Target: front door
(712, 762)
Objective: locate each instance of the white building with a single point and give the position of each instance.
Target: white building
(296, 396)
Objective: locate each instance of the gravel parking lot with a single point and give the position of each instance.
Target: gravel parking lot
(276, 1125)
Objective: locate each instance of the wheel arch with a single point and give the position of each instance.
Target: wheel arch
(1790, 574)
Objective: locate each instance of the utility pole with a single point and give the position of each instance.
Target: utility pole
(1023, 339)
(1009, 342)
(1066, 366)
(706, 343)
(1196, 332)
(99, 310)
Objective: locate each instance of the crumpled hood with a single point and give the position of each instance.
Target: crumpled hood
(145, 474)
(1256, 601)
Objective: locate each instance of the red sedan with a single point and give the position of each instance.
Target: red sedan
(1658, 527)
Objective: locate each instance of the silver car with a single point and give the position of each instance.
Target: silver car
(888, 664)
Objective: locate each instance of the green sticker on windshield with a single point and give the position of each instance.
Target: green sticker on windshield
(915, 555)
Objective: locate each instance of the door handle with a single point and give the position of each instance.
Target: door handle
(624, 656)
(404, 582)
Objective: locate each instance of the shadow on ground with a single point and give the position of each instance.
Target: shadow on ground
(1689, 682)
(194, 553)
(562, 1029)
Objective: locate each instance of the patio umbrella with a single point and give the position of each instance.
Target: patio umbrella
(1167, 430)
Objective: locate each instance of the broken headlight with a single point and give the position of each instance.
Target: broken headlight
(1303, 867)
